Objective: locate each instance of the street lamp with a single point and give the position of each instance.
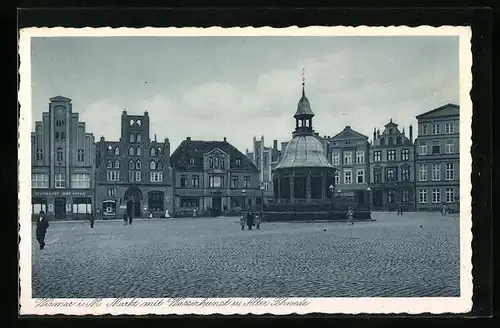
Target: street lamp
(369, 199)
(332, 193)
(244, 192)
(261, 201)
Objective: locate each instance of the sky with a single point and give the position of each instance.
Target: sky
(240, 87)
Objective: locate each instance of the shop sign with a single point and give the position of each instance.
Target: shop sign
(60, 193)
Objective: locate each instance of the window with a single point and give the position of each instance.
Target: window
(422, 148)
(138, 176)
(422, 196)
(191, 161)
(360, 176)
(59, 154)
(436, 196)
(80, 155)
(382, 141)
(377, 156)
(131, 175)
(449, 147)
(399, 140)
(391, 176)
(80, 180)
(405, 154)
(436, 149)
(117, 151)
(423, 129)
(138, 138)
(449, 128)
(335, 158)
(109, 164)
(436, 172)
(60, 180)
(435, 128)
(113, 175)
(57, 136)
(131, 122)
(63, 136)
(152, 165)
(156, 176)
(138, 164)
(110, 150)
(347, 176)
(360, 157)
(131, 151)
(246, 182)
(117, 164)
(111, 192)
(238, 162)
(422, 172)
(391, 142)
(158, 151)
(347, 157)
(189, 202)
(138, 151)
(132, 137)
(211, 163)
(450, 173)
(336, 176)
(131, 165)
(234, 182)
(155, 201)
(160, 165)
(183, 181)
(152, 151)
(39, 154)
(450, 195)
(217, 163)
(216, 181)
(196, 181)
(377, 175)
(391, 155)
(39, 180)
(405, 195)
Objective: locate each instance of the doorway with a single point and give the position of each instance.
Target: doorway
(216, 206)
(133, 197)
(60, 208)
(377, 198)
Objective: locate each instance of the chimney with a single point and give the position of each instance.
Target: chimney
(275, 144)
(225, 140)
(411, 133)
(155, 136)
(374, 134)
(146, 113)
(348, 127)
(188, 138)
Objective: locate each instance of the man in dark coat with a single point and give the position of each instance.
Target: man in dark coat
(250, 220)
(42, 224)
(92, 219)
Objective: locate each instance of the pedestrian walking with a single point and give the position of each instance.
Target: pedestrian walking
(443, 209)
(258, 220)
(42, 224)
(350, 216)
(125, 219)
(130, 220)
(91, 219)
(250, 220)
(242, 221)
(195, 213)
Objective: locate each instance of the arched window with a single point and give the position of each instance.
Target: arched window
(59, 154)
(160, 165)
(138, 151)
(390, 175)
(390, 141)
(131, 165)
(132, 137)
(398, 140)
(152, 151)
(117, 164)
(109, 164)
(131, 151)
(152, 165)
(117, 151)
(382, 141)
(191, 161)
(139, 139)
(159, 151)
(110, 150)
(138, 164)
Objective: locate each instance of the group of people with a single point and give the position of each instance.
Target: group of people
(249, 220)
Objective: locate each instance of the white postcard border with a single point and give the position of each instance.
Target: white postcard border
(30, 306)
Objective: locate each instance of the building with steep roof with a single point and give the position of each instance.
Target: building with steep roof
(392, 168)
(134, 173)
(350, 154)
(214, 178)
(63, 163)
(438, 158)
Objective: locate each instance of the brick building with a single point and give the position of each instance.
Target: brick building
(134, 173)
(214, 178)
(63, 163)
(438, 158)
(392, 173)
(265, 158)
(350, 154)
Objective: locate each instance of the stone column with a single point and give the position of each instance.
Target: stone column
(308, 186)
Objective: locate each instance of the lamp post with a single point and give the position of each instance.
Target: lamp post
(332, 193)
(369, 200)
(261, 201)
(244, 192)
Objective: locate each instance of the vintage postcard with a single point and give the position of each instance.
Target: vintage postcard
(245, 170)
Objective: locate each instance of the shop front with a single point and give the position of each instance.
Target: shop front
(64, 204)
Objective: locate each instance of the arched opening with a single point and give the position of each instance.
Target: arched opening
(133, 197)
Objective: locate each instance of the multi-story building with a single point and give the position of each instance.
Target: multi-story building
(265, 158)
(392, 176)
(63, 163)
(349, 154)
(213, 178)
(438, 158)
(134, 173)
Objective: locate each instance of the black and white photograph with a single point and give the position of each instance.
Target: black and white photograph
(261, 170)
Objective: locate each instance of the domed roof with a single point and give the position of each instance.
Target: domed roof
(303, 107)
(304, 151)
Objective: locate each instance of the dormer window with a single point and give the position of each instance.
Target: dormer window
(238, 162)
(390, 131)
(191, 161)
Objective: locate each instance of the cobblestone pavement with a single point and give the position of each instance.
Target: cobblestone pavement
(416, 255)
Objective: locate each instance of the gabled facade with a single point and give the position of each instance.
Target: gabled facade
(213, 178)
(438, 158)
(63, 163)
(349, 154)
(392, 168)
(134, 173)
